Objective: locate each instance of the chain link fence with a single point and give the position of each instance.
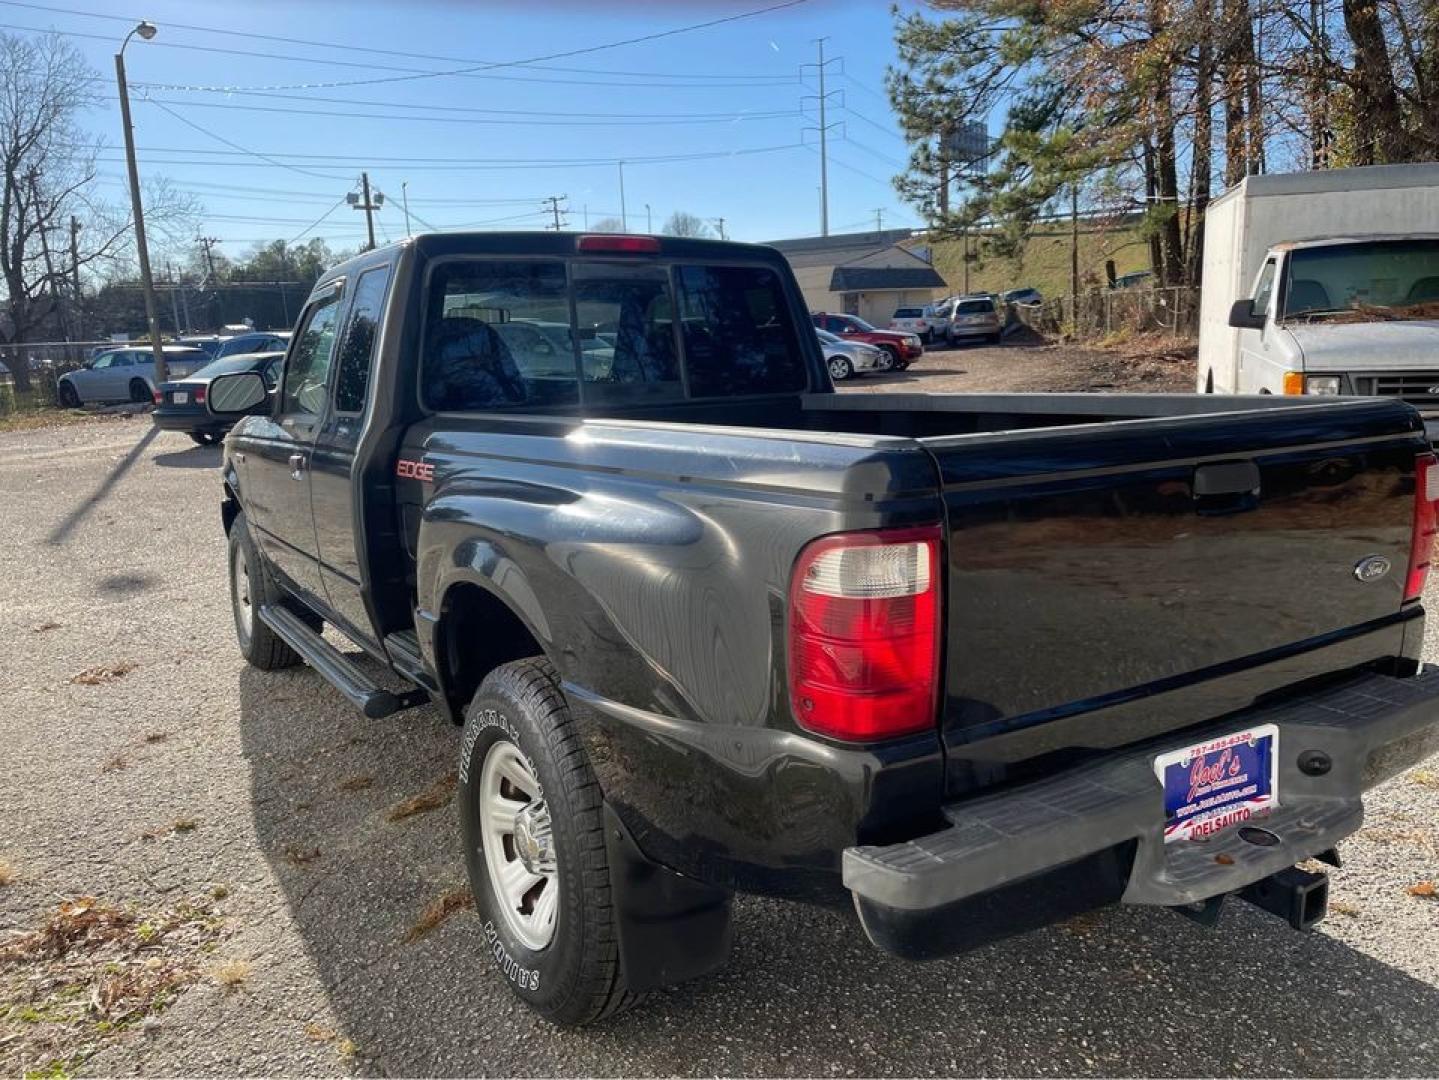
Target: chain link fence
(46, 361)
(1100, 312)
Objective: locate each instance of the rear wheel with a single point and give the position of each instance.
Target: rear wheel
(533, 823)
(139, 391)
(205, 438)
(840, 368)
(69, 398)
(250, 590)
(996, 338)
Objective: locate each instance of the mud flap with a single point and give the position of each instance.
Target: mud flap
(671, 927)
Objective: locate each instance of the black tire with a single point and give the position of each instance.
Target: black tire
(205, 438)
(893, 354)
(840, 368)
(903, 365)
(259, 645)
(69, 398)
(995, 339)
(574, 978)
(140, 392)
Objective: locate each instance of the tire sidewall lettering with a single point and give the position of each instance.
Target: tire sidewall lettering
(522, 977)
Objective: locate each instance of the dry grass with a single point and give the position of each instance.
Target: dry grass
(115, 764)
(1425, 778)
(232, 974)
(105, 673)
(90, 969)
(219, 892)
(319, 1033)
(184, 825)
(157, 736)
(1425, 890)
(433, 799)
(41, 628)
(1343, 907)
(456, 898)
(356, 783)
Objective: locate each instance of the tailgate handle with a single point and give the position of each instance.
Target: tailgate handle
(1226, 487)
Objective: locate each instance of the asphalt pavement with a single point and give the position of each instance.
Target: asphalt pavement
(169, 770)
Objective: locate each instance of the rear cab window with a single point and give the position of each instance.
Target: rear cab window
(537, 333)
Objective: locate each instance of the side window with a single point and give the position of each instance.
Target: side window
(103, 362)
(1263, 289)
(738, 334)
(497, 336)
(835, 325)
(309, 366)
(122, 360)
(625, 324)
(271, 374)
(358, 346)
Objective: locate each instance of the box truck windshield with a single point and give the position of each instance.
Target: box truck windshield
(1381, 279)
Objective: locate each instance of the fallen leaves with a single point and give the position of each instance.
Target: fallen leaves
(44, 627)
(232, 974)
(356, 783)
(115, 764)
(105, 673)
(1343, 907)
(457, 898)
(433, 799)
(1425, 889)
(299, 856)
(7, 873)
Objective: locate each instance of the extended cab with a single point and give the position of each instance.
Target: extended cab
(966, 664)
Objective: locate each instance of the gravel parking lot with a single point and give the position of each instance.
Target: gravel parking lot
(257, 850)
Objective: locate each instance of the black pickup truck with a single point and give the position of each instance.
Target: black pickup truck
(968, 664)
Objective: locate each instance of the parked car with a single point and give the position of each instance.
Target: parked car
(180, 403)
(1026, 295)
(900, 350)
(1139, 279)
(845, 359)
(975, 316)
(124, 374)
(257, 342)
(910, 320)
(209, 342)
(965, 665)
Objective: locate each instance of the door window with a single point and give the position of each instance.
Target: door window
(1263, 289)
(102, 362)
(738, 334)
(122, 360)
(358, 347)
(307, 373)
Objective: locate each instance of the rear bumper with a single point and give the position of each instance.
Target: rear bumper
(201, 422)
(1094, 835)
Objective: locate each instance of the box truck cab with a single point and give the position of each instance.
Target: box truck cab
(1324, 283)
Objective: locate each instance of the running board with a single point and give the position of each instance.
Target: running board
(359, 689)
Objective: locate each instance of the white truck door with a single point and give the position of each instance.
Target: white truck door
(1255, 347)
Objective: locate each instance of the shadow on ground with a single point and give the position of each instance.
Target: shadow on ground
(1125, 991)
(194, 457)
(61, 533)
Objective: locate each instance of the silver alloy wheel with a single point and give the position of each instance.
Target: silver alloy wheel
(884, 361)
(838, 368)
(519, 845)
(244, 608)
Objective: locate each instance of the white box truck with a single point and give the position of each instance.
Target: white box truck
(1324, 283)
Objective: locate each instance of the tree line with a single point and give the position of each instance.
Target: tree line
(1145, 109)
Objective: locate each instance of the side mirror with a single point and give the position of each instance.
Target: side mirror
(1242, 316)
(237, 394)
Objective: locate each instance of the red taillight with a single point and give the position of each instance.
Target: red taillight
(864, 633)
(159, 397)
(199, 397)
(647, 245)
(1426, 494)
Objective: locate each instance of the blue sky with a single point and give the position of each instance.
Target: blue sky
(735, 87)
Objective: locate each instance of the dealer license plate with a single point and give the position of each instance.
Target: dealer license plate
(181, 397)
(1213, 785)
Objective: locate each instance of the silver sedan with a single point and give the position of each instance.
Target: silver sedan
(846, 359)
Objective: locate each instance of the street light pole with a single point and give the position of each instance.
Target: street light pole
(624, 217)
(405, 198)
(147, 285)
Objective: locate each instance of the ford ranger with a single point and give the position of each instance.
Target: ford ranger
(967, 665)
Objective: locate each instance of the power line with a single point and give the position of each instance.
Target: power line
(729, 118)
(390, 52)
(415, 76)
(233, 145)
(319, 220)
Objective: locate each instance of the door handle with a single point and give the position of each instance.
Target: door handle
(297, 465)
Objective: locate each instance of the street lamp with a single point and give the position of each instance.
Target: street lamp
(147, 285)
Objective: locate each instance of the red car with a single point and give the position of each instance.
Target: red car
(900, 349)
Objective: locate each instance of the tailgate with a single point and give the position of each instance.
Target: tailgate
(1108, 583)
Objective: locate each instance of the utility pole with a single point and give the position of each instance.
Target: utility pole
(368, 207)
(624, 217)
(719, 224)
(587, 216)
(147, 285)
(79, 319)
(649, 220)
(1074, 251)
(554, 204)
(206, 243)
(405, 199)
(174, 300)
(823, 129)
(879, 219)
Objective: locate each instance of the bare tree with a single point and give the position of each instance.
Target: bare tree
(608, 224)
(681, 223)
(51, 226)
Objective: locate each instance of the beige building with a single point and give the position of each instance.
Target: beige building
(864, 274)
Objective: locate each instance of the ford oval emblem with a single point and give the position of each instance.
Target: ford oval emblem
(1432, 391)
(1372, 568)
